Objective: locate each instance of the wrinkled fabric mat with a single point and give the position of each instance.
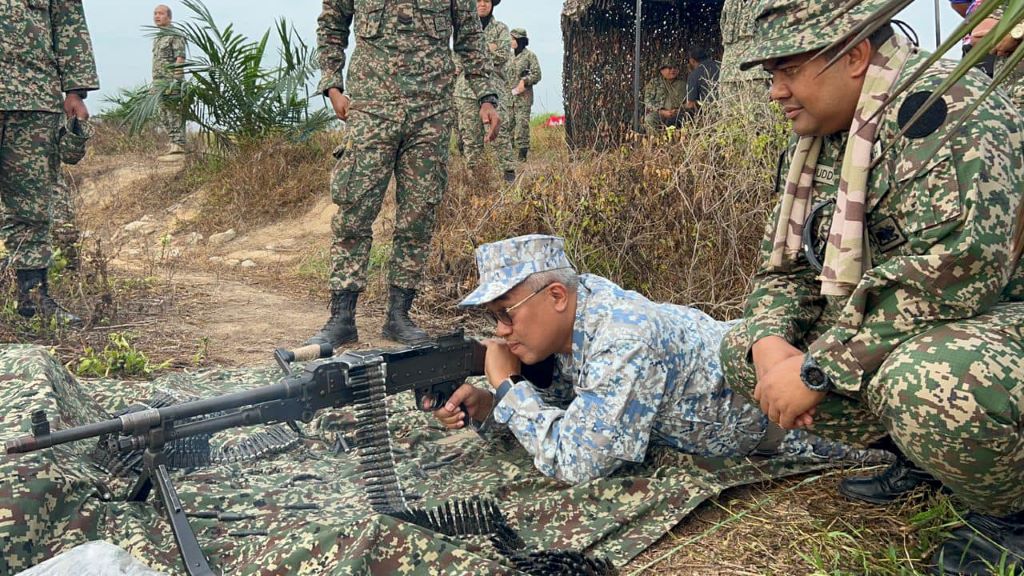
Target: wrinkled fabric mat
(304, 510)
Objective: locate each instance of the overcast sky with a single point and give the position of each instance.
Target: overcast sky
(123, 50)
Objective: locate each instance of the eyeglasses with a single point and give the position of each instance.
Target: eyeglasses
(502, 315)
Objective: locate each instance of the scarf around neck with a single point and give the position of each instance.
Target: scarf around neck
(846, 255)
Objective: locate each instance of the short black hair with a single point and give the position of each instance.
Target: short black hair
(699, 52)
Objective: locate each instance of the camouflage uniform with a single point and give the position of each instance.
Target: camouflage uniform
(928, 347)
(64, 226)
(737, 24)
(400, 82)
(46, 52)
(497, 39)
(525, 67)
(660, 93)
(167, 49)
(640, 374)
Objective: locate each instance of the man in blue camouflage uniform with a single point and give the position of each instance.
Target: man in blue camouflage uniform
(629, 372)
(903, 320)
(47, 67)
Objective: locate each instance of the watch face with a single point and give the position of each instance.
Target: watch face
(815, 376)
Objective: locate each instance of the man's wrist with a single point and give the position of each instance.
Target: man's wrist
(83, 94)
(489, 99)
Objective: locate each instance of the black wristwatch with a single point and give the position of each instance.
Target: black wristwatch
(489, 99)
(813, 376)
(506, 385)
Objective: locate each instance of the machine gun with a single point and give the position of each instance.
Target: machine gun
(359, 378)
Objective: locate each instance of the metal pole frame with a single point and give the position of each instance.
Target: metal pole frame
(637, 33)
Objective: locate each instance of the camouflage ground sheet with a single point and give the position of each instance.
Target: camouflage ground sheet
(303, 511)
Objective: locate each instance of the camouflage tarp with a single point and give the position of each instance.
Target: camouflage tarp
(303, 511)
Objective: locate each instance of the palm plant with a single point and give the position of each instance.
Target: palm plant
(227, 91)
(1010, 13)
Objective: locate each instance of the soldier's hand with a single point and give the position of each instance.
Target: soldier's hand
(784, 397)
(74, 107)
(769, 352)
(1006, 46)
(500, 362)
(477, 402)
(340, 102)
(489, 116)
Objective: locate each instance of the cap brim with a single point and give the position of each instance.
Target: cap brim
(490, 291)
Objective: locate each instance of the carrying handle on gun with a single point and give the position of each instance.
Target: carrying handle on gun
(285, 357)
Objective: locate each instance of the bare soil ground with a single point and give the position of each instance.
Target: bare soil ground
(215, 302)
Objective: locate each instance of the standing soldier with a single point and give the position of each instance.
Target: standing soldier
(526, 74)
(46, 52)
(398, 109)
(168, 58)
(495, 35)
(737, 23)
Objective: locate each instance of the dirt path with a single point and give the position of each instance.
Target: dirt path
(222, 306)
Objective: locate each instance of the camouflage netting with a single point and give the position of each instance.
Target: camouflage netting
(304, 511)
(598, 64)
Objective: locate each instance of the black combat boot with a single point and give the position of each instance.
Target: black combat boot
(34, 298)
(510, 176)
(523, 153)
(896, 481)
(399, 327)
(982, 546)
(341, 326)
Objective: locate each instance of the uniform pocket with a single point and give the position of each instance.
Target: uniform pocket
(369, 17)
(437, 17)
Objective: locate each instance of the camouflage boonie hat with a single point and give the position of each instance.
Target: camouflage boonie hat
(519, 33)
(506, 263)
(73, 136)
(668, 63)
(785, 28)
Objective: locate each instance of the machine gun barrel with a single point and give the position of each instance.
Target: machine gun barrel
(139, 422)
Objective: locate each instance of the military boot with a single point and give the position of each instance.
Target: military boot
(510, 176)
(399, 327)
(341, 326)
(34, 298)
(896, 481)
(982, 546)
(523, 153)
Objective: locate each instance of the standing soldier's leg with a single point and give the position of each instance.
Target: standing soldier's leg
(28, 172)
(358, 185)
(421, 176)
(472, 130)
(503, 145)
(522, 121)
(63, 224)
(953, 400)
(174, 125)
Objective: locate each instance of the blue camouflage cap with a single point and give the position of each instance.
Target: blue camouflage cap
(506, 263)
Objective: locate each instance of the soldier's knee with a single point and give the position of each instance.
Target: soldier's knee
(958, 381)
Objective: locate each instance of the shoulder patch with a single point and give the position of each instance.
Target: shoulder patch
(930, 120)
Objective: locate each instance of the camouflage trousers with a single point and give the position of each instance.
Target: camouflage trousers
(472, 132)
(416, 152)
(951, 398)
(28, 176)
(521, 123)
(173, 122)
(64, 231)
(1014, 85)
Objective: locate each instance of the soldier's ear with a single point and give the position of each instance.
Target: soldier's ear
(859, 58)
(559, 295)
